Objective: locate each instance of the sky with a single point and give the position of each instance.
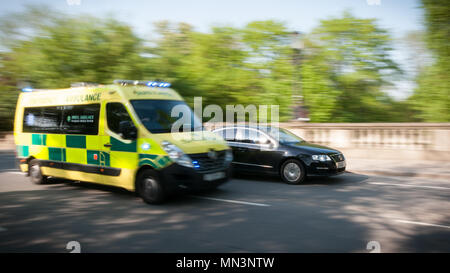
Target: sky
(397, 16)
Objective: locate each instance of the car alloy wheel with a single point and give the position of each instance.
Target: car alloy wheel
(293, 172)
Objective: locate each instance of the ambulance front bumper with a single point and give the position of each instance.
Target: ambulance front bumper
(177, 177)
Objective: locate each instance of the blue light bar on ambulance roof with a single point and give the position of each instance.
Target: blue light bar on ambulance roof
(158, 84)
(27, 89)
(147, 83)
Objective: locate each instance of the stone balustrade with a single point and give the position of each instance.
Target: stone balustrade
(409, 141)
(404, 141)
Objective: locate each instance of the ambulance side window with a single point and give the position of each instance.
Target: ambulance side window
(80, 119)
(42, 120)
(116, 113)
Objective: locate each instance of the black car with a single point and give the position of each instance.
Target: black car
(273, 150)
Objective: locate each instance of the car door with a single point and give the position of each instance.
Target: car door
(239, 152)
(264, 152)
(243, 149)
(261, 150)
(117, 152)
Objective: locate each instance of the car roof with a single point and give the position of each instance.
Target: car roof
(265, 127)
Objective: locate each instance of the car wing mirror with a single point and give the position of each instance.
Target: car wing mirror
(268, 144)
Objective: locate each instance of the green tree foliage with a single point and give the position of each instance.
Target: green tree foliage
(15, 29)
(50, 51)
(345, 68)
(432, 96)
(76, 49)
(229, 65)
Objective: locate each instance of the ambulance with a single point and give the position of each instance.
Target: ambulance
(124, 135)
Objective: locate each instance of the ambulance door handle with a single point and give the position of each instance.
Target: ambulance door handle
(108, 145)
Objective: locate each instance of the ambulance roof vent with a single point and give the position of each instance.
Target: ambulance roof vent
(146, 83)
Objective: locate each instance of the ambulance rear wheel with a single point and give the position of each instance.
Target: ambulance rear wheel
(149, 187)
(36, 175)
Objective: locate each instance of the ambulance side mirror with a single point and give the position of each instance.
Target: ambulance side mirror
(128, 130)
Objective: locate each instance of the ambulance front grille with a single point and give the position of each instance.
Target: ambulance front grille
(203, 162)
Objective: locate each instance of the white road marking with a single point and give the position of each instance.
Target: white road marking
(421, 224)
(409, 185)
(232, 201)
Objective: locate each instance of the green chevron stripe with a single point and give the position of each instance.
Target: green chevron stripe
(119, 146)
(75, 141)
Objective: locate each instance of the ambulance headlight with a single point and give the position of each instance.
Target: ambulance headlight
(176, 154)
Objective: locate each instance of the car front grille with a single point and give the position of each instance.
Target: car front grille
(202, 162)
(337, 157)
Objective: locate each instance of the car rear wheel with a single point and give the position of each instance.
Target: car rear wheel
(35, 172)
(293, 172)
(149, 187)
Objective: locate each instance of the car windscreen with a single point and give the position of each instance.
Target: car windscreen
(283, 135)
(165, 116)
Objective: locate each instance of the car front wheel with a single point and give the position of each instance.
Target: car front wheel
(293, 172)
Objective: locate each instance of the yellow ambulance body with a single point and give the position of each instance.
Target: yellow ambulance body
(119, 135)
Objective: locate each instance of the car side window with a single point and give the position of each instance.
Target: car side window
(256, 137)
(116, 113)
(261, 139)
(251, 136)
(245, 135)
(228, 134)
(220, 133)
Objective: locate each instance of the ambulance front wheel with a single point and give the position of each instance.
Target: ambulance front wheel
(149, 187)
(35, 172)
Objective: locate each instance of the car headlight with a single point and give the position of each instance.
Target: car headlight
(176, 154)
(228, 156)
(321, 158)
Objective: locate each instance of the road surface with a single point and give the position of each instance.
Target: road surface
(248, 214)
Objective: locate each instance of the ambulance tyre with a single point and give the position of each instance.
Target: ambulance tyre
(36, 175)
(149, 187)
